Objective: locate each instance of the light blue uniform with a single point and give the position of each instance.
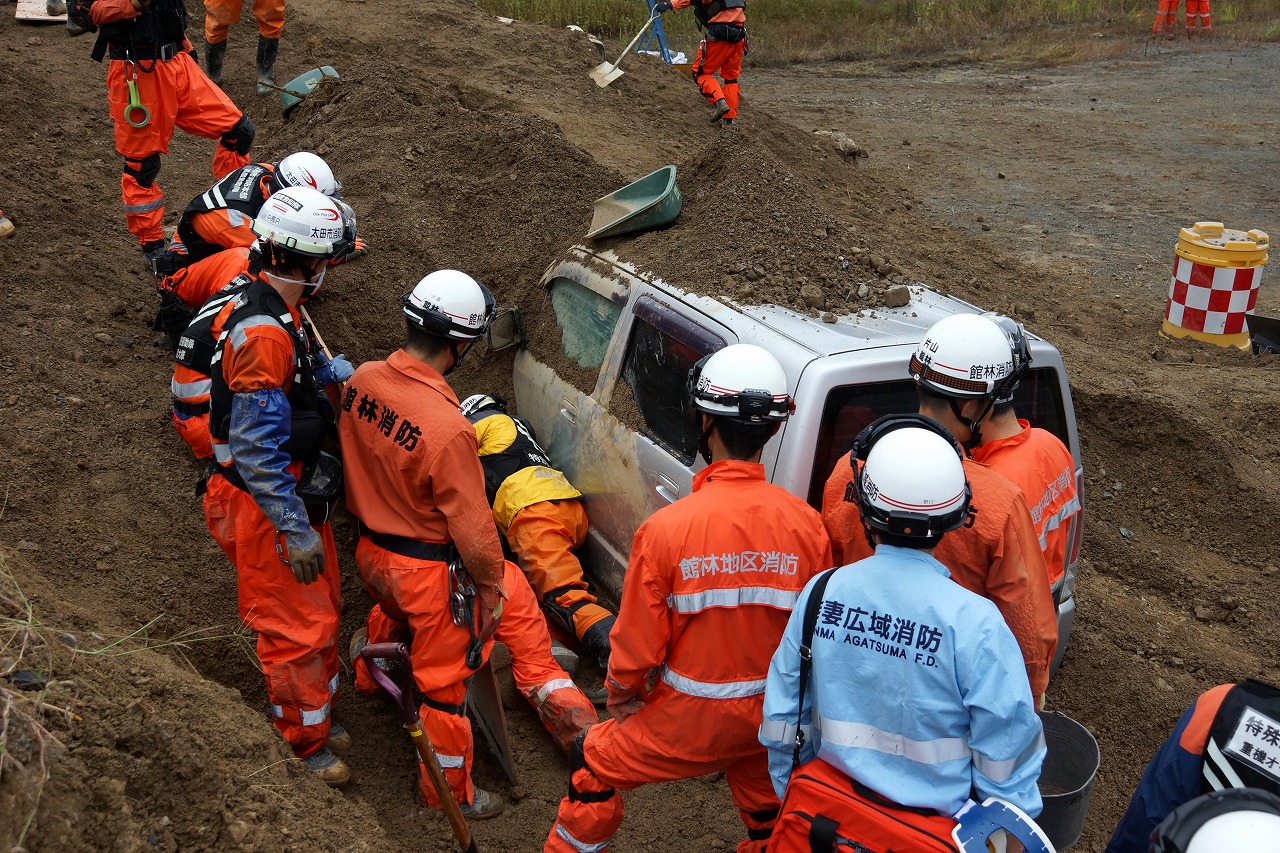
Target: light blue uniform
(918, 689)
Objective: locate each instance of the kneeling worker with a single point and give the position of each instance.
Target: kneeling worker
(541, 515)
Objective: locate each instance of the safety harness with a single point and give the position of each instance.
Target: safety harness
(157, 33)
(241, 191)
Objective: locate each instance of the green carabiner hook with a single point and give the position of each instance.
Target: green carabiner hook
(135, 103)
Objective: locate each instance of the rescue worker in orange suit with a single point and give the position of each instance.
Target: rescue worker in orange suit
(723, 45)
(415, 482)
(540, 513)
(1227, 739)
(221, 14)
(222, 216)
(266, 501)
(153, 85)
(1167, 13)
(1033, 459)
(708, 590)
(999, 555)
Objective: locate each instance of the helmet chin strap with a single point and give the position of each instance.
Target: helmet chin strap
(704, 444)
(458, 357)
(974, 425)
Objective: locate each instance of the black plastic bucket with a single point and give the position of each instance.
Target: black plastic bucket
(1066, 779)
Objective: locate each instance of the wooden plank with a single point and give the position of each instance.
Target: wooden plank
(36, 10)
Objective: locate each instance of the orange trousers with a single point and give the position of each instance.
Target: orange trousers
(411, 607)
(544, 536)
(297, 624)
(1167, 12)
(221, 14)
(723, 58)
(661, 744)
(176, 94)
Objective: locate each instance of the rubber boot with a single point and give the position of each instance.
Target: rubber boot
(214, 54)
(267, 50)
(721, 108)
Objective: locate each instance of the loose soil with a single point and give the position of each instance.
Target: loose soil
(466, 142)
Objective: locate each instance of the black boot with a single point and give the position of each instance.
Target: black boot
(214, 54)
(595, 642)
(267, 50)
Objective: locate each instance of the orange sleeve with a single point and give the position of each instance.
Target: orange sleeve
(110, 11)
(457, 491)
(841, 518)
(196, 283)
(1196, 734)
(681, 4)
(264, 360)
(1019, 585)
(224, 226)
(639, 638)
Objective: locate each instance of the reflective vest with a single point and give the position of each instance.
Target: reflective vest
(159, 23)
(517, 471)
(244, 191)
(196, 348)
(1243, 748)
(307, 425)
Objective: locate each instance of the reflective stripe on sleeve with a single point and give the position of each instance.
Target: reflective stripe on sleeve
(187, 390)
(863, 736)
(237, 218)
(713, 689)
(1000, 771)
(781, 731)
(540, 695)
(581, 846)
(694, 602)
(222, 453)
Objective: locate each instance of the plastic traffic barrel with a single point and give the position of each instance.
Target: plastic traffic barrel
(1216, 275)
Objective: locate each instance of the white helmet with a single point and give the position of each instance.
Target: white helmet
(303, 221)
(305, 169)
(450, 304)
(477, 403)
(1019, 349)
(742, 382)
(912, 482)
(966, 355)
(1239, 820)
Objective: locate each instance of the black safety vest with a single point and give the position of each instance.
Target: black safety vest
(241, 191)
(159, 23)
(1243, 749)
(308, 424)
(522, 453)
(197, 344)
(704, 12)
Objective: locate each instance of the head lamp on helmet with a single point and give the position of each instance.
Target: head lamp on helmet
(741, 382)
(450, 304)
(912, 482)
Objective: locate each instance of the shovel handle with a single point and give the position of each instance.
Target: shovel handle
(635, 40)
(401, 695)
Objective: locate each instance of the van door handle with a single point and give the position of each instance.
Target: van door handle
(568, 412)
(667, 488)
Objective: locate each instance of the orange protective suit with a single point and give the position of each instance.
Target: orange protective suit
(544, 537)
(1198, 11)
(177, 94)
(194, 285)
(297, 624)
(1040, 465)
(718, 56)
(708, 591)
(413, 478)
(998, 557)
(221, 14)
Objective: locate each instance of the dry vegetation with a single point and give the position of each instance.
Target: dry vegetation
(1035, 31)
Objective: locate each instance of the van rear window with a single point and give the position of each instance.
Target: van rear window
(849, 408)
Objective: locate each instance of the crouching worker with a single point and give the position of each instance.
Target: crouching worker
(914, 693)
(268, 414)
(540, 513)
(711, 581)
(429, 553)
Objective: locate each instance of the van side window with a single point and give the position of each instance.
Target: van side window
(664, 345)
(586, 320)
(849, 408)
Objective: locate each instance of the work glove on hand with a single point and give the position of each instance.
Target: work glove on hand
(335, 371)
(358, 250)
(304, 552)
(622, 705)
(487, 624)
(661, 8)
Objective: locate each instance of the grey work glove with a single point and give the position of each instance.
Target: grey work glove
(303, 553)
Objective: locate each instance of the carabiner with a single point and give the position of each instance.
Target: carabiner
(135, 102)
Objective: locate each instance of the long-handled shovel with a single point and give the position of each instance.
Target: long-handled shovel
(606, 72)
(403, 696)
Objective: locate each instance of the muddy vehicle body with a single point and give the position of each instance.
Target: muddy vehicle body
(601, 376)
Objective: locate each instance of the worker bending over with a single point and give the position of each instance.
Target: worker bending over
(711, 581)
(540, 513)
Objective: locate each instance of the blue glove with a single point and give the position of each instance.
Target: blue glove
(660, 8)
(336, 370)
